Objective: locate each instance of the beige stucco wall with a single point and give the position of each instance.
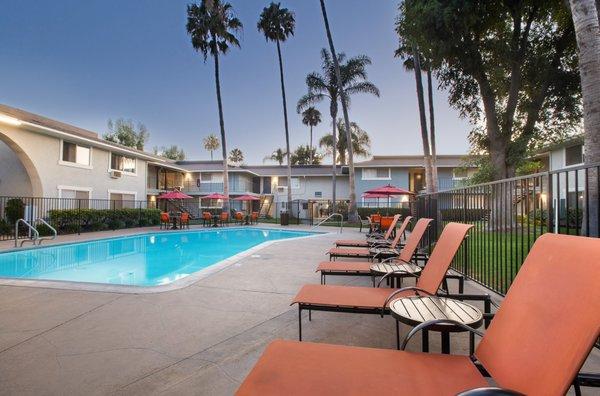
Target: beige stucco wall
(44, 152)
(14, 179)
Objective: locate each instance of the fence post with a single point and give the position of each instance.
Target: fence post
(549, 203)
(79, 216)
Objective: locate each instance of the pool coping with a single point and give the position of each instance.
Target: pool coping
(130, 289)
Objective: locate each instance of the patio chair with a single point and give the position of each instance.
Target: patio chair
(374, 223)
(185, 220)
(536, 344)
(363, 268)
(239, 218)
(254, 218)
(376, 249)
(165, 220)
(364, 223)
(374, 300)
(224, 218)
(207, 219)
(369, 242)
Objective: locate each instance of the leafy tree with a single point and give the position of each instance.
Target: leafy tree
(306, 155)
(236, 156)
(586, 18)
(211, 143)
(312, 118)
(172, 152)
(361, 142)
(277, 156)
(325, 87)
(509, 66)
(124, 132)
(278, 24)
(212, 27)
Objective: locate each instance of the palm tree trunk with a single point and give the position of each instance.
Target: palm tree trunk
(587, 31)
(423, 119)
(211, 155)
(311, 143)
(223, 140)
(287, 132)
(334, 155)
(432, 130)
(352, 212)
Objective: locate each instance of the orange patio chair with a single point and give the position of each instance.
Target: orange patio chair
(239, 217)
(254, 218)
(185, 220)
(536, 344)
(363, 268)
(207, 219)
(374, 300)
(369, 241)
(224, 218)
(165, 220)
(370, 252)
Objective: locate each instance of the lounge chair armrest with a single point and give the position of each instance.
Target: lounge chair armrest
(396, 272)
(429, 323)
(396, 292)
(489, 391)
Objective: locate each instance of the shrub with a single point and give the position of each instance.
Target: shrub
(5, 228)
(44, 230)
(85, 220)
(14, 210)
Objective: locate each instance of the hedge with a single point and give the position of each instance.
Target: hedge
(69, 221)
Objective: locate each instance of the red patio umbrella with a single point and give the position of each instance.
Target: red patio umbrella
(247, 197)
(373, 196)
(214, 196)
(388, 189)
(174, 195)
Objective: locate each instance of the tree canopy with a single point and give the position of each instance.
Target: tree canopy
(124, 132)
(236, 156)
(510, 67)
(305, 155)
(361, 142)
(172, 152)
(276, 156)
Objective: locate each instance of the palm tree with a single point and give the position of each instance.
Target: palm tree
(586, 19)
(305, 155)
(277, 156)
(312, 118)
(212, 27)
(211, 143)
(407, 53)
(325, 86)
(236, 156)
(277, 24)
(361, 142)
(352, 210)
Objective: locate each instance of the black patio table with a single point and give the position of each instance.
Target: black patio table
(216, 220)
(175, 217)
(415, 310)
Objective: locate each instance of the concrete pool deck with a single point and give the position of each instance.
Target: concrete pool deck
(201, 339)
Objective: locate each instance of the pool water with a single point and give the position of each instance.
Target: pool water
(140, 260)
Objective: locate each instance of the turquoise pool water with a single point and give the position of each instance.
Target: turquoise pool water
(140, 260)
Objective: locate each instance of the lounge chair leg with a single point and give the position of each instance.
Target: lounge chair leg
(397, 335)
(299, 323)
(487, 308)
(461, 285)
(425, 341)
(373, 279)
(310, 315)
(445, 342)
(471, 343)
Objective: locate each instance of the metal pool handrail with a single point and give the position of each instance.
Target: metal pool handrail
(329, 217)
(31, 228)
(54, 233)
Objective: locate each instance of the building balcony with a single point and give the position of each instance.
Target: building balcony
(235, 187)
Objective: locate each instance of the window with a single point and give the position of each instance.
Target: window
(459, 173)
(74, 197)
(282, 182)
(574, 155)
(318, 194)
(211, 177)
(122, 200)
(122, 163)
(295, 183)
(376, 174)
(75, 154)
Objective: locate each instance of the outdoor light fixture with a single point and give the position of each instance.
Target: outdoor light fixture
(10, 120)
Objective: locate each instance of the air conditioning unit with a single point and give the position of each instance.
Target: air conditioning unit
(345, 170)
(115, 174)
(281, 189)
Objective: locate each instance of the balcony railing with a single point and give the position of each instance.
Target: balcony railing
(235, 187)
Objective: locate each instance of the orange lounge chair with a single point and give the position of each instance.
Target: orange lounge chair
(374, 300)
(370, 252)
(536, 344)
(369, 241)
(185, 220)
(363, 268)
(165, 220)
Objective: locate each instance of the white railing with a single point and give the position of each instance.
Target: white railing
(329, 217)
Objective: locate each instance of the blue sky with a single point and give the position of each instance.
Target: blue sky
(83, 62)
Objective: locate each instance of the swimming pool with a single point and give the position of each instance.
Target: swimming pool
(140, 260)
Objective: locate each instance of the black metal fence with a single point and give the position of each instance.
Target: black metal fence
(76, 213)
(509, 215)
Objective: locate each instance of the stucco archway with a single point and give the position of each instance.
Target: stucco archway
(26, 162)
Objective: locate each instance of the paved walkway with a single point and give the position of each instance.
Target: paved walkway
(202, 339)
